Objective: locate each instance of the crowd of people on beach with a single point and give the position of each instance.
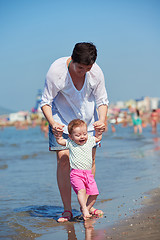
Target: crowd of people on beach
(136, 118)
(133, 117)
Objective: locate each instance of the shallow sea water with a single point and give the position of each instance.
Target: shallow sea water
(127, 166)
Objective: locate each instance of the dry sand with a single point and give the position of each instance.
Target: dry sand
(145, 224)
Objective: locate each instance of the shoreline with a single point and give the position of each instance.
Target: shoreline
(145, 224)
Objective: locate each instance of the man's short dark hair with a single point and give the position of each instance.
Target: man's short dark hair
(84, 53)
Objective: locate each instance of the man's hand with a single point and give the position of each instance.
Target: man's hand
(57, 129)
(99, 126)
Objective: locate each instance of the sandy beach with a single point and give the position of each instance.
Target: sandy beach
(145, 224)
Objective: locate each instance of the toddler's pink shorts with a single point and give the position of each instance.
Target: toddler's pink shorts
(83, 179)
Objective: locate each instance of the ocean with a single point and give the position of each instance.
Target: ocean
(127, 167)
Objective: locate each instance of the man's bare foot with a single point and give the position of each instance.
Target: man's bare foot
(66, 216)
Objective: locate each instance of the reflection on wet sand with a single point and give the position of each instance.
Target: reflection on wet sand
(90, 232)
(156, 141)
(39, 218)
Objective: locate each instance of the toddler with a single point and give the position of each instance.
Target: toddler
(80, 146)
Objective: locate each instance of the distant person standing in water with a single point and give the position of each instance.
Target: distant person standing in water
(136, 120)
(154, 120)
(74, 88)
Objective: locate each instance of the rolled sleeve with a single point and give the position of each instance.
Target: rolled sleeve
(100, 92)
(103, 100)
(49, 93)
(46, 96)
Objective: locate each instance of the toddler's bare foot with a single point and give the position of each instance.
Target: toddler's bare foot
(96, 212)
(86, 214)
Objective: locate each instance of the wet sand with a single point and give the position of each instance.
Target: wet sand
(145, 224)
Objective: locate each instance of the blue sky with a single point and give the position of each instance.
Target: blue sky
(34, 33)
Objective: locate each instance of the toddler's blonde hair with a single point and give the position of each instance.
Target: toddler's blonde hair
(75, 123)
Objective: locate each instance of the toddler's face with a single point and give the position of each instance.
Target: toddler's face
(79, 135)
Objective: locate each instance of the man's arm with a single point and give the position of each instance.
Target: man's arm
(56, 127)
(102, 112)
(100, 125)
(47, 111)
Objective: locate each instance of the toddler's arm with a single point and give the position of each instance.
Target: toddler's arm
(98, 136)
(61, 141)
